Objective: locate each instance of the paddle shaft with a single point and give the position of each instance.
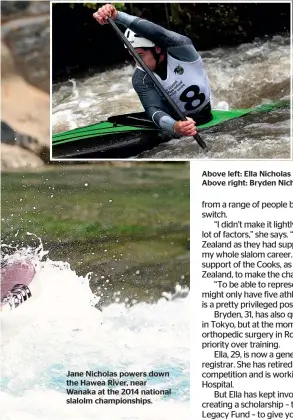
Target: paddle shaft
(154, 79)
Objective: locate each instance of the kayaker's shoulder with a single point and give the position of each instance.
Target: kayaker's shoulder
(139, 77)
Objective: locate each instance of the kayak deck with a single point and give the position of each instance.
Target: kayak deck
(112, 128)
(109, 138)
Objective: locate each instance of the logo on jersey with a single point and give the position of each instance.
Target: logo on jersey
(179, 70)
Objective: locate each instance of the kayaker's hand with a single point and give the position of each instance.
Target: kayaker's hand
(185, 128)
(104, 13)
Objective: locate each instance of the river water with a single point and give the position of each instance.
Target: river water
(112, 300)
(42, 341)
(245, 76)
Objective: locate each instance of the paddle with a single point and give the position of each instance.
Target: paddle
(154, 79)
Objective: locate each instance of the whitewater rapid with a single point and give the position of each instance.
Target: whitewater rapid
(240, 77)
(63, 331)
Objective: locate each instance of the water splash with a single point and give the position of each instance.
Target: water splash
(15, 253)
(65, 332)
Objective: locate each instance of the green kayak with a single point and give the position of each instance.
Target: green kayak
(125, 135)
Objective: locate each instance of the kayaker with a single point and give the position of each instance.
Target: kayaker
(177, 65)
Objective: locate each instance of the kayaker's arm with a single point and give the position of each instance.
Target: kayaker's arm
(152, 101)
(179, 46)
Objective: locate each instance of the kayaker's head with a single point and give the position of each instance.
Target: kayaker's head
(151, 54)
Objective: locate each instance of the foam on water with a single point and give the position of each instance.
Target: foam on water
(63, 331)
